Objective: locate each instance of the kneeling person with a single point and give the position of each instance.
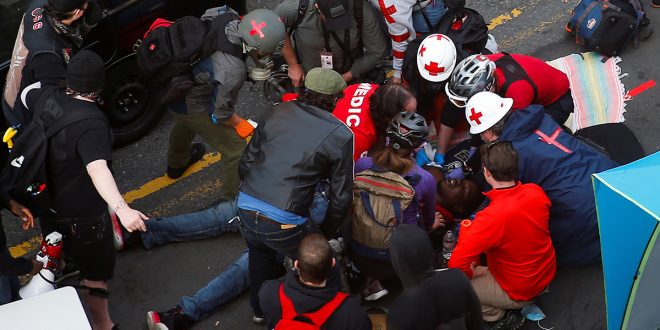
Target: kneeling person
(307, 293)
(513, 232)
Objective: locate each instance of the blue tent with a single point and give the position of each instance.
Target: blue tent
(628, 205)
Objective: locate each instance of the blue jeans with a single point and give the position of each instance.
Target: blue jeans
(224, 288)
(211, 222)
(266, 240)
(433, 11)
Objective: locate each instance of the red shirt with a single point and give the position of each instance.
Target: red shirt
(513, 232)
(353, 109)
(551, 83)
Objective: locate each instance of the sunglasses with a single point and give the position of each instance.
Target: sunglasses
(485, 161)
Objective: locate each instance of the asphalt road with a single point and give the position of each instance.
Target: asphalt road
(157, 278)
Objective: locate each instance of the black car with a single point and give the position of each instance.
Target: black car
(132, 110)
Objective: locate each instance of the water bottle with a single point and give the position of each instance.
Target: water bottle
(448, 245)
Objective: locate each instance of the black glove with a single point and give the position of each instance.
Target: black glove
(94, 13)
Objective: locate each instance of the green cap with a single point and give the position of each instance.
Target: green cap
(324, 81)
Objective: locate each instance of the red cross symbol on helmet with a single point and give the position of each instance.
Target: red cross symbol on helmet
(256, 28)
(436, 58)
(475, 116)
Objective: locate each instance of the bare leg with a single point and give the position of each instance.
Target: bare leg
(97, 306)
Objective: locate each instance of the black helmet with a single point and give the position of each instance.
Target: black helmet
(407, 129)
(474, 74)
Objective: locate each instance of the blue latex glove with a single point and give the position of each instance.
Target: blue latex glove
(421, 158)
(456, 173)
(439, 159)
(214, 119)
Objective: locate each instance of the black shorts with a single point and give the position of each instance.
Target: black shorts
(88, 241)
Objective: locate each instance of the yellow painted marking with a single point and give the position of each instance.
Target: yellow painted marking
(499, 20)
(148, 188)
(164, 181)
(25, 247)
(531, 32)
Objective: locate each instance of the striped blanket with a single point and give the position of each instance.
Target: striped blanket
(598, 93)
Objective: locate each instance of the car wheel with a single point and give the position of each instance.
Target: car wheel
(131, 109)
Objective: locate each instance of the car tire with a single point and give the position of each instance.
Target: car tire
(131, 109)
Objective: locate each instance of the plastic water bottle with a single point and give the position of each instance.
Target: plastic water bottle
(448, 245)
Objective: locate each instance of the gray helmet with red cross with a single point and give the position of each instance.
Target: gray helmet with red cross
(262, 29)
(436, 57)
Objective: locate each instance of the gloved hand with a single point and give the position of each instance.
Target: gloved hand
(94, 13)
(244, 129)
(214, 119)
(439, 158)
(456, 173)
(421, 158)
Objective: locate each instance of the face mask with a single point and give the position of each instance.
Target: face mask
(263, 64)
(534, 313)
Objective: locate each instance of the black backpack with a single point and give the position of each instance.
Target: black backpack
(167, 53)
(470, 38)
(606, 26)
(24, 174)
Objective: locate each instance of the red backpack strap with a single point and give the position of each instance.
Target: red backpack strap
(288, 311)
(320, 316)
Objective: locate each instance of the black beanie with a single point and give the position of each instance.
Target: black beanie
(66, 5)
(85, 73)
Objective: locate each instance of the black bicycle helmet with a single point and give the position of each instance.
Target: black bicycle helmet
(474, 74)
(407, 129)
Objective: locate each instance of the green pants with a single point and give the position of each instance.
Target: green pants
(221, 137)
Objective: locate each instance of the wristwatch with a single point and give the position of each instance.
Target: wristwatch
(121, 204)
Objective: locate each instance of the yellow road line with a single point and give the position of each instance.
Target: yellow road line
(25, 247)
(499, 20)
(164, 181)
(145, 190)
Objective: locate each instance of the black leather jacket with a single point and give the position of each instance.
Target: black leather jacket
(294, 148)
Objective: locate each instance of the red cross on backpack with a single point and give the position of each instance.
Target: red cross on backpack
(291, 320)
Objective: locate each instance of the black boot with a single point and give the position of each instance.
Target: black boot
(196, 153)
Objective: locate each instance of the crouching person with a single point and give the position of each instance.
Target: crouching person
(80, 181)
(305, 298)
(513, 233)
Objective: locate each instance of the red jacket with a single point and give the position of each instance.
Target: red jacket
(354, 110)
(513, 232)
(551, 83)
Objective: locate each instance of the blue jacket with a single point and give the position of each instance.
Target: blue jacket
(562, 165)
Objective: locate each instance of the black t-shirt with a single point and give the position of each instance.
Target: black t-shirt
(69, 152)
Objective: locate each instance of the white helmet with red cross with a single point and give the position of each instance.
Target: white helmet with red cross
(485, 109)
(436, 57)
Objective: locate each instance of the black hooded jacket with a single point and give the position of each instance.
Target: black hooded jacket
(307, 299)
(431, 299)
